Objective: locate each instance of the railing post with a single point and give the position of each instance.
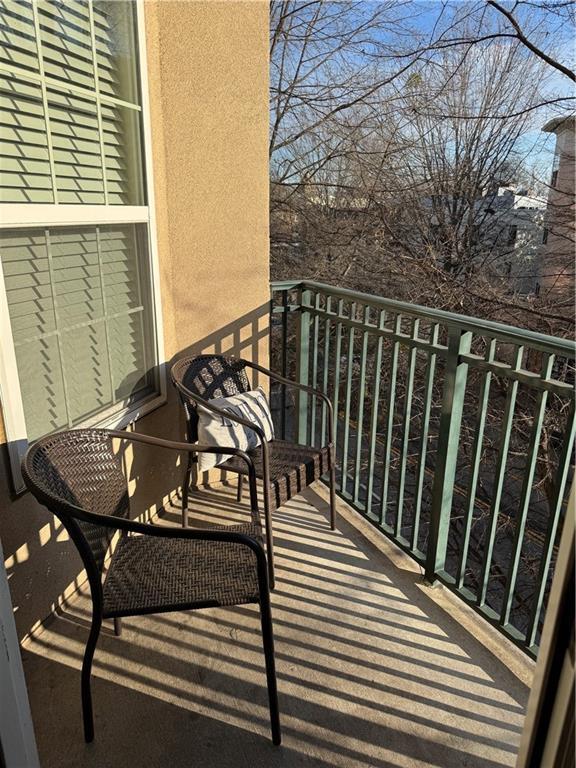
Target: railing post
(303, 362)
(284, 363)
(455, 376)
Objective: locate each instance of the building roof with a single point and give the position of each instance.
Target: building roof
(567, 121)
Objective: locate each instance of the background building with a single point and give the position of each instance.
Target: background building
(556, 258)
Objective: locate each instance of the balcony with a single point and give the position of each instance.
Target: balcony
(454, 441)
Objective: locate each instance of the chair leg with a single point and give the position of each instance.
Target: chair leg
(332, 491)
(118, 626)
(269, 538)
(240, 486)
(268, 642)
(185, 489)
(86, 670)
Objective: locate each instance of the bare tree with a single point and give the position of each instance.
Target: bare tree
(327, 58)
(562, 10)
(406, 134)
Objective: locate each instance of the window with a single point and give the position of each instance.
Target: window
(512, 235)
(77, 297)
(545, 236)
(554, 179)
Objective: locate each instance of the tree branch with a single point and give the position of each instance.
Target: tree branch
(530, 45)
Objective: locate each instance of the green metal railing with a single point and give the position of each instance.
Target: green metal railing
(453, 435)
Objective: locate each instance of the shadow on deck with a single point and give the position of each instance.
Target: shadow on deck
(374, 669)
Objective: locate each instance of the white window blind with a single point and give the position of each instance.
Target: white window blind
(81, 330)
(70, 127)
(78, 296)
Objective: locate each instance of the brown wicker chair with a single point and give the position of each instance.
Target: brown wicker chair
(285, 468)
(78, 475)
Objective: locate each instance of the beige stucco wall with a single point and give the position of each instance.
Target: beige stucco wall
(208, 88)
(210, 132)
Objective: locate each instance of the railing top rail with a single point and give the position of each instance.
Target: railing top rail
(498, 331)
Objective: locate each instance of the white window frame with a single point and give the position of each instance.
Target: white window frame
(31, 215)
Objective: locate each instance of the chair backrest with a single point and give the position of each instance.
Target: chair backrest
(207, 377)
(79, 469)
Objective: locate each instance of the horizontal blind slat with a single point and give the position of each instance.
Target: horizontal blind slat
(24, 161)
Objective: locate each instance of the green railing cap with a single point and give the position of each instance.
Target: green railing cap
(496, 330)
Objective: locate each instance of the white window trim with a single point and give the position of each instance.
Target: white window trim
(35, 215)
(29, 215)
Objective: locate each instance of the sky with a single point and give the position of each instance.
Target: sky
(551, 32)
(410, 25)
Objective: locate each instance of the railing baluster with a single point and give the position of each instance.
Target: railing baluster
(374, 414)
(428, 392)
(303, 362)
(406, 431)
(360, 418)
(555, 516)
(337, 356)
(520, 522)
(455, 376)
(483, 396)
(327, 328)
(389, 423)
(499, 481)
(315, 327)
(284, 363)
(348, 396)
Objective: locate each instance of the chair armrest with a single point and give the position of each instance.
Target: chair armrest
(296, 385)
(289, 382)
(158, 442)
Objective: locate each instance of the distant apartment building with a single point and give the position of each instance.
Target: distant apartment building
(502, 230)
(510, 224)
(556, 254)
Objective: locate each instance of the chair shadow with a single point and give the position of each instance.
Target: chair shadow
(133, 728)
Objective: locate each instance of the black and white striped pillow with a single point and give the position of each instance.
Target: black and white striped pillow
(214, 429)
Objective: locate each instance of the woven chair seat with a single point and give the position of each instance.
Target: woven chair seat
(148, 574)
(292, 467)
